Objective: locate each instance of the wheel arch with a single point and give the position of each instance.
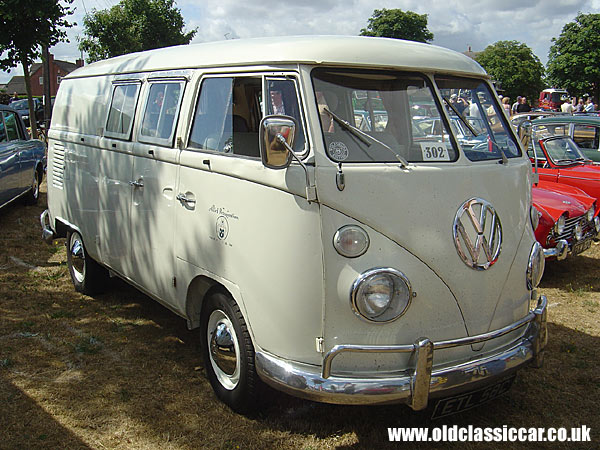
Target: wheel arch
(198, 291)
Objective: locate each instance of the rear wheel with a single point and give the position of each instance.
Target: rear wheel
(228, 353)
(88, 276)
(32, 197)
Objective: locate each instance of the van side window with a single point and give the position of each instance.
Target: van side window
(161, 111)
(228, 114)
(282, 98)
(122, 109)
(12, 129)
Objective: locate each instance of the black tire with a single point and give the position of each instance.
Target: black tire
(88, 276)
(228, 353)
(33, 195)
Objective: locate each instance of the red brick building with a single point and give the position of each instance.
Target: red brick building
(58, 70)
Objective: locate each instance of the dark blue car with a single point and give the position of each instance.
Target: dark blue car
(22, 160)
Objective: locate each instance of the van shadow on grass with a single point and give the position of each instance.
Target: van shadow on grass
(36, 429)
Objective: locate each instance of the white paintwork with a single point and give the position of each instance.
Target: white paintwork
(278, 261)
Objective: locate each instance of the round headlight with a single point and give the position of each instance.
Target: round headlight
(535, 267)
(351, 241)
(534, 215)
(578, 231)
(381, 295)
(597, 224)
(559, 226)
(590, 213)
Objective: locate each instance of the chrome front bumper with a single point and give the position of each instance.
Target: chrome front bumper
(422, 381)
(560, 251)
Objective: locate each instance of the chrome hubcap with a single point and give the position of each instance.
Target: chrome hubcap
(223, 349)
(35, 187)
(77, 257)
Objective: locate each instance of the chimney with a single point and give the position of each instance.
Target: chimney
(79, 62)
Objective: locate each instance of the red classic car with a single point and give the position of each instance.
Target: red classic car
(559, 160)
(568, 219)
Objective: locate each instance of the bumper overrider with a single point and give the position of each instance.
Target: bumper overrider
(422, 381)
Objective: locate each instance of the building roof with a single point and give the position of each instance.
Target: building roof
(331, 50)
(16, 84)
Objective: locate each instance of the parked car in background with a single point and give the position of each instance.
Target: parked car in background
(22, 160)
(583, 129)
(568, 219)
(22, 107)
(517, 119)
(552, 99)
(559, 160)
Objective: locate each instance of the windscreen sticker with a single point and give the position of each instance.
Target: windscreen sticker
(338, 151)
(435, 151)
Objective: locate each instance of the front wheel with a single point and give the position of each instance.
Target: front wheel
(88, 276)
(228, 353)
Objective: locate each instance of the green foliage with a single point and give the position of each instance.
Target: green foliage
(514, 65)
(133, 26)
(27, 25)
(398, 24)
(574, 58)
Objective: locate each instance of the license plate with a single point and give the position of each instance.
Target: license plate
(453, 405)
(581, 246)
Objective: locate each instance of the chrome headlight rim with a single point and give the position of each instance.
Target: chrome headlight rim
(534, 217)
(590, 213)
(559, 226)
(597, 224)
(537, 253)
(372, 273)
(337, 239)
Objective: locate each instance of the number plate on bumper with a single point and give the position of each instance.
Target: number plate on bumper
(581, 246)
(462, 402)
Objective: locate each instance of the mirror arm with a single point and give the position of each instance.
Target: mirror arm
(311, 190)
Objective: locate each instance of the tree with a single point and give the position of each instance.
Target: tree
(398, 24)
(27, 26)
(133, 26)
(514, 65)
(574, 58)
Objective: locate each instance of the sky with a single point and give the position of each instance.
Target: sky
(456, 24)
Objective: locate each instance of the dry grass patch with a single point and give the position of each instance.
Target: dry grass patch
(120, 371)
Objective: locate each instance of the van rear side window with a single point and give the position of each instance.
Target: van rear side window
(122, 109)
(160, 113)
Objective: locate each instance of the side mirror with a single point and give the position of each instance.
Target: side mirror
(274, 153)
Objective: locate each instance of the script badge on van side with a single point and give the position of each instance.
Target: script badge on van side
(477, 234)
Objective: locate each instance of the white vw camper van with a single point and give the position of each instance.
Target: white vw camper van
(288, 198)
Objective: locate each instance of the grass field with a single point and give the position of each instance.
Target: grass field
(120, 371)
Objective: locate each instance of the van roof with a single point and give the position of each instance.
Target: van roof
(331, 50)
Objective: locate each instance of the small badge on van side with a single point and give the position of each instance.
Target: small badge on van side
(338, 151)
(222, 228)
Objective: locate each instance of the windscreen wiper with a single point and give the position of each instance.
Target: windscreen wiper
(460, 116)
(363, 137)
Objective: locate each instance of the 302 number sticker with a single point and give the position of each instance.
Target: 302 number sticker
(434, 151)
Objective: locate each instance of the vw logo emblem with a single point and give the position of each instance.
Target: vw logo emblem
(477, 234)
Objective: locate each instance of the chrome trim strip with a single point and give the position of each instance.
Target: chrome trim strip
(414, 386)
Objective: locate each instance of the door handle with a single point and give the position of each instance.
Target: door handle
(138, 183)
(184, 199)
